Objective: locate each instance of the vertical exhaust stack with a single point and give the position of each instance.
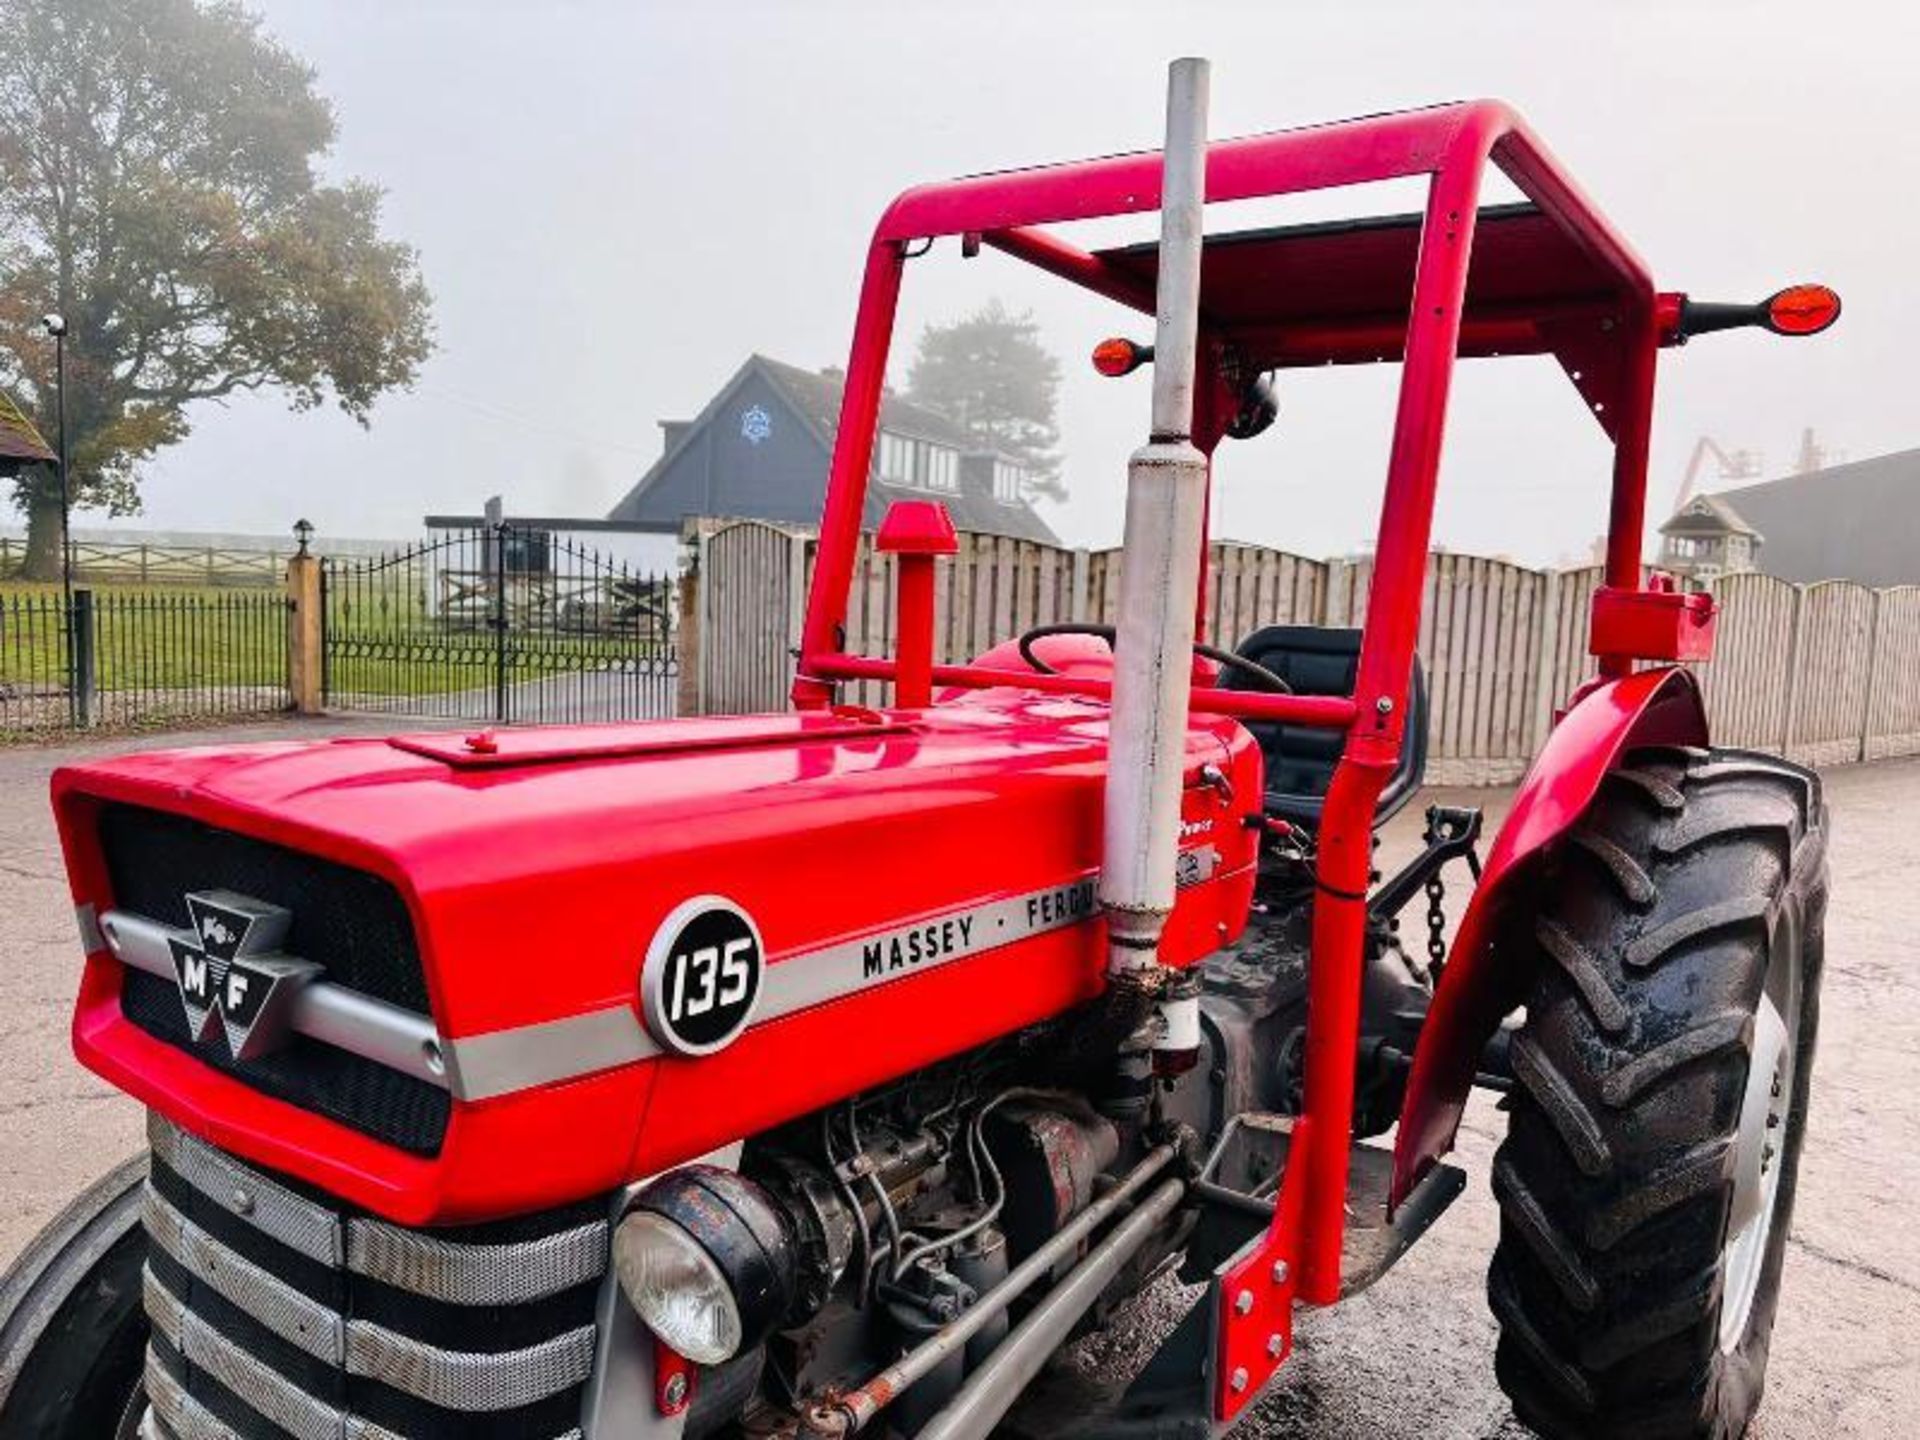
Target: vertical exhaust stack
(1166, 505)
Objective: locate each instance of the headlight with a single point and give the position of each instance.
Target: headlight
(706, 1260)
(678, 1290)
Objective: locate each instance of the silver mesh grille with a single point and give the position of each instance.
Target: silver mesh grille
(275, 1304)
(460, 1380)
(296, 1222)
(191, 1259)
(424, 1264)
(510, 1274)
(264, 1388)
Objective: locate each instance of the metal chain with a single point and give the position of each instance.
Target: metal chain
(1436, 920)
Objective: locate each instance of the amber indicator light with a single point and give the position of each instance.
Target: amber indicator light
(1117, 357)
(1802, 310)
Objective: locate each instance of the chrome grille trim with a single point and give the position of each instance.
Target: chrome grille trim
(264, 1389)
(423, 1264)
(282, 1309)
(332, 1014)
(177, 1412)
(460, 1274)
(414, 1261)
(450, 1379)
(295, 1221)
(181, 1417)
(463, 1380)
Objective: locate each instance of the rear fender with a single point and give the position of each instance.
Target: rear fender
(1483, 982)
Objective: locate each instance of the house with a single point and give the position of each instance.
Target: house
(1706, 537)
(1859, 521)
(761, 447)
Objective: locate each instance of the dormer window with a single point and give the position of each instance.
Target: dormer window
(918, 463)
(942, 467)
(1009, 482)
(895, 461)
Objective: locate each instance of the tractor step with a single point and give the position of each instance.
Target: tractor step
(1242, 1176)
(1172, 1397)
(1374, 1242)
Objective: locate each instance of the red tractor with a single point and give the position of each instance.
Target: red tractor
(825, 1072)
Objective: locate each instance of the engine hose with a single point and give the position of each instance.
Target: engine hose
(977, 1147)
(990, 1391)
(856, 1409)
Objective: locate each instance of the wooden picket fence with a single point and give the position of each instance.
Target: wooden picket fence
(1823, 674)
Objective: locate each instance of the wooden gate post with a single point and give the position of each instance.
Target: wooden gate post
(1795, 648)
(690, 642)
(305, 635)
(1865, 750)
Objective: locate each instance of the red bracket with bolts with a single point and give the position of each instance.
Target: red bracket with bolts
(1255, 1325)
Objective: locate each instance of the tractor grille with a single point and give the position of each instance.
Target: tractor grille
(353, 923)
(278, 1312)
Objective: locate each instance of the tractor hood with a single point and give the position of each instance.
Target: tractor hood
(613, 948)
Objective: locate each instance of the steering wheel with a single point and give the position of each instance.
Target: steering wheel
(1263, 678)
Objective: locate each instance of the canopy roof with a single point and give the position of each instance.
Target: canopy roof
(1338, 292)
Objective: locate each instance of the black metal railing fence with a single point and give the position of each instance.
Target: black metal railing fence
(132, 659)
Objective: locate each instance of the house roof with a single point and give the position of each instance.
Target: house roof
(20, 443)
(814, 396)
(1845, 522)
(1707, 514)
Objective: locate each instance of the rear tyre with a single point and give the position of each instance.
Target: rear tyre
(73, 1335)
(1646, 1182)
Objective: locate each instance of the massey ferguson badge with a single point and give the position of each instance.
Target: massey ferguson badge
(229, 964)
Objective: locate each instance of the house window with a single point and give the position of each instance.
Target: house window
(896, 459)
(901, 461)
(1009, 482)
(942, 467)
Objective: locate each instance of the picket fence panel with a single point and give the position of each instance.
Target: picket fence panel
(1823, 674)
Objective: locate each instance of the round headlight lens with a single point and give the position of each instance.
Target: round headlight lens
(676, 1288)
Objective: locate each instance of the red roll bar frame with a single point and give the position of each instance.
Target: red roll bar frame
(1612, 363)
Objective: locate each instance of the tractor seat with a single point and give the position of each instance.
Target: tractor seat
(1322, 660)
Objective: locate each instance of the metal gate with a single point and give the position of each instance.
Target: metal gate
(500, 623)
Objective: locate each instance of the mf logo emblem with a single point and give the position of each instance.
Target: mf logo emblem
(230, 963)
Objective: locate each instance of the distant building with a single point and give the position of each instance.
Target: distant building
(1859, 521)
(1706, 537)
(761, 447)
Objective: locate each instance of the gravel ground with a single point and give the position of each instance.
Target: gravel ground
(1413, 1357)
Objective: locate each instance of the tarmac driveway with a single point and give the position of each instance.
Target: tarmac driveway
(1411, 1358)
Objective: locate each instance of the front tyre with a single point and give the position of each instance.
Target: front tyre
(73, 1335)
(1646, 1182)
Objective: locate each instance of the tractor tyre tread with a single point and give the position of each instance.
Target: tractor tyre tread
(1651, 937)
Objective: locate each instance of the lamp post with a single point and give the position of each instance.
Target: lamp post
(56, 326)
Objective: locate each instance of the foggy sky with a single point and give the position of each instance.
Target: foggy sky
(615, 203)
